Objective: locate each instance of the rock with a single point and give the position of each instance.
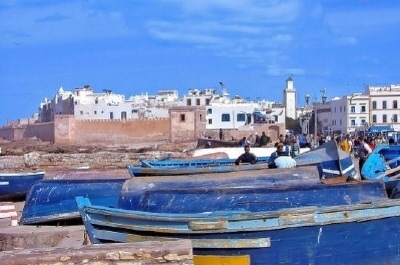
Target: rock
(32, 159)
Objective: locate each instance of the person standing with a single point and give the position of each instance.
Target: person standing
(372, 143)
(246, 157)
(363, 151)
(257, 141)
(345, 144)
(263, 139)
(221, 134)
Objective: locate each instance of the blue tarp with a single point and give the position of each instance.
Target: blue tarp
(380, 128)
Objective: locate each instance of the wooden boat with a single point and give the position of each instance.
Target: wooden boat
(53, 200)
(172, 163)
(333, 161)
(383, 163)
(212, 143)
(286, 217)
(16, 185)
(234, 152)
(136, 171)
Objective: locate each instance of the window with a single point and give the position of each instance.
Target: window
(81, 112)
(182, 117)
(363, 109)
(373, 104)
(95, 112)
(111, 115)
(353, 122)
(123, 115)
(395, 104)
(384, 104)
(207, 101)
(200, 117)
(209, 111)
(225, 117)
(363, 122)
(395, 118)
(197, 101)
(241, 117)
(353, 109)
(188, 102)
(384, 118)
(374, 118)
(209, 121)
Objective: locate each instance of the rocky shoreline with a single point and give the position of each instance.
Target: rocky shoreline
(31, 155)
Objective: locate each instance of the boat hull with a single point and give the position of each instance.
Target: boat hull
(16, 185)
(356, 234)
(183, 163)
(54, 200)
(174, 171)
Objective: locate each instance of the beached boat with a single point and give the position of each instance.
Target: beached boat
(333, 161)
(286, 217)
(52, 200)
(137, 171)
(212, 143)
(383, 163)
(172, 163)
(16, 185)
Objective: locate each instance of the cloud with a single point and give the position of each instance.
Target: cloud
(363, 21)
(61, 22)
(277, 70)
(52, 18)
(242, 30)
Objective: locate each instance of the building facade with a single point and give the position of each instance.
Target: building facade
(289, 99)
(384, 105)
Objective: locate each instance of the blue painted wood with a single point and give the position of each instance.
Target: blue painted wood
(382, 160)
(269, 190)
(333, 161)
(353, 224)
(16, 185)
(172, 163)
(54, 200)
(173, 171)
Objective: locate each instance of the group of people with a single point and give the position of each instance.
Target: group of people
(279, 159)
(255, 140)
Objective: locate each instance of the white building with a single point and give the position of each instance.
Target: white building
(85, 104)
(384, 105)
(348, 114)
(289, 99)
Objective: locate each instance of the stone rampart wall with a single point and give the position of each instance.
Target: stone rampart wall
(111, 132)
(7, 132)
(42, 131)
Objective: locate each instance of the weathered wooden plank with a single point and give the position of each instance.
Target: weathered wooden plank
(151, 252)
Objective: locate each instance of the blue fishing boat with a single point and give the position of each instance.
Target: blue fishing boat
(53, 200)
(172, 163)
(333, 161)
(137, 171)
(285, 217)
(16, 185)
(383, 163)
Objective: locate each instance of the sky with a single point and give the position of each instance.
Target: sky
(138, 46)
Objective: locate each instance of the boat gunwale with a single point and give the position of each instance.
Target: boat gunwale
(295, 216)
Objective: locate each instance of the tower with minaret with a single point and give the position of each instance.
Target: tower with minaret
(289, 99)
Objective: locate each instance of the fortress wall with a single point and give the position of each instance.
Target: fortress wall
(187, 124)
(7, 132)
(114, 132)
(42, 131)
